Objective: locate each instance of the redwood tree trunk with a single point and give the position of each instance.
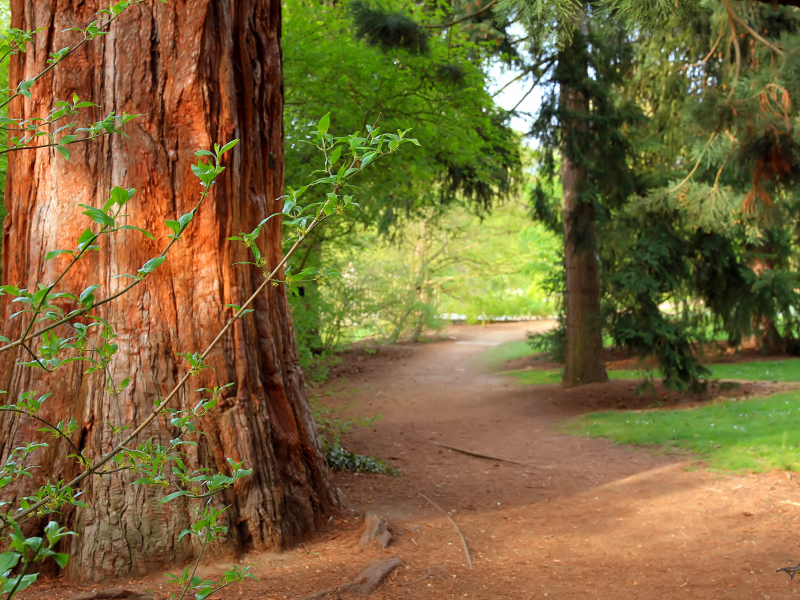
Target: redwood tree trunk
(202, 71)
(584, 351)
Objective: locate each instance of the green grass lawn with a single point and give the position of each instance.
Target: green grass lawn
(767, 370)
(496, 356)
(542, 376)
(736, 435)
(733, 435)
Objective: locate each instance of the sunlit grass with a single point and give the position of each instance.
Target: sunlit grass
(502, 353)
(535, 376)
(768, 370)
(735, 435)
(772, 370)
(543, 376)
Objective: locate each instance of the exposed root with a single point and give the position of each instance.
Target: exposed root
(366, 583)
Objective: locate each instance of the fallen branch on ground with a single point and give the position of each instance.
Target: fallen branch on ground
(428, 573)
(489, 457)
(453, 523)
(366, 583)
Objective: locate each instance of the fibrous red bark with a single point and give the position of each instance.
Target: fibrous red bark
(201, 71)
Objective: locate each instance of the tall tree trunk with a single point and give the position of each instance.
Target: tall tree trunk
(584, 351)
(201, 72)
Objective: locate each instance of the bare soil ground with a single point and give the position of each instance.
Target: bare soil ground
(581, 518)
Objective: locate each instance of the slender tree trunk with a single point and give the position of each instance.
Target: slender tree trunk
(201, 71)
(584, 352)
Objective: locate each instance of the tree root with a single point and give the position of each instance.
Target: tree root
(490, 457)
(375, 529)
(366, 583)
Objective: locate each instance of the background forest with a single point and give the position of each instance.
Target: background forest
(683, 139)
(682, 177)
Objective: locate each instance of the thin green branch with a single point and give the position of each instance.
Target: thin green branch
(85, 310)
(48, 423)
(71, 51)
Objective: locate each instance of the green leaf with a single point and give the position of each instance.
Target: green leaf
(61, 559)
(337, 153)
(142, 481)
(152, 264)
(8, 560)
(324, 123)
(368, 158)
(185, 220)
(86, 237)
(174, 495)
(63, 152)
(139, 229)
(173, 225)
(53, 253)
(87, 297)
(228, 146)
(121, 196)
(97, 215)
(26, 582)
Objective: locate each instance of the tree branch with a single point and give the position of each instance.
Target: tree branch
(467, 17)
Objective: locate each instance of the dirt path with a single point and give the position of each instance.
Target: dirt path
(581, 519)
(592, 520)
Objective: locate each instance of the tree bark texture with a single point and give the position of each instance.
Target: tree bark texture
(584, 340)
(202, 72)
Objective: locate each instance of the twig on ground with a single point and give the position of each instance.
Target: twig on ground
(490, 457)
(686, 535)
(456, 527)
(428, 573)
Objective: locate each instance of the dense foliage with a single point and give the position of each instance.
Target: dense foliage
(420, 247)
(689, 152)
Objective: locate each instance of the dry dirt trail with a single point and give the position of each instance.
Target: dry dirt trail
(582, 518)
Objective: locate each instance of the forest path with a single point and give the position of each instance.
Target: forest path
(589, 520)
(582, 518)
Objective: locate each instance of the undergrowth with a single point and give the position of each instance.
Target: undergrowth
(331, 428)
(340, 459)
